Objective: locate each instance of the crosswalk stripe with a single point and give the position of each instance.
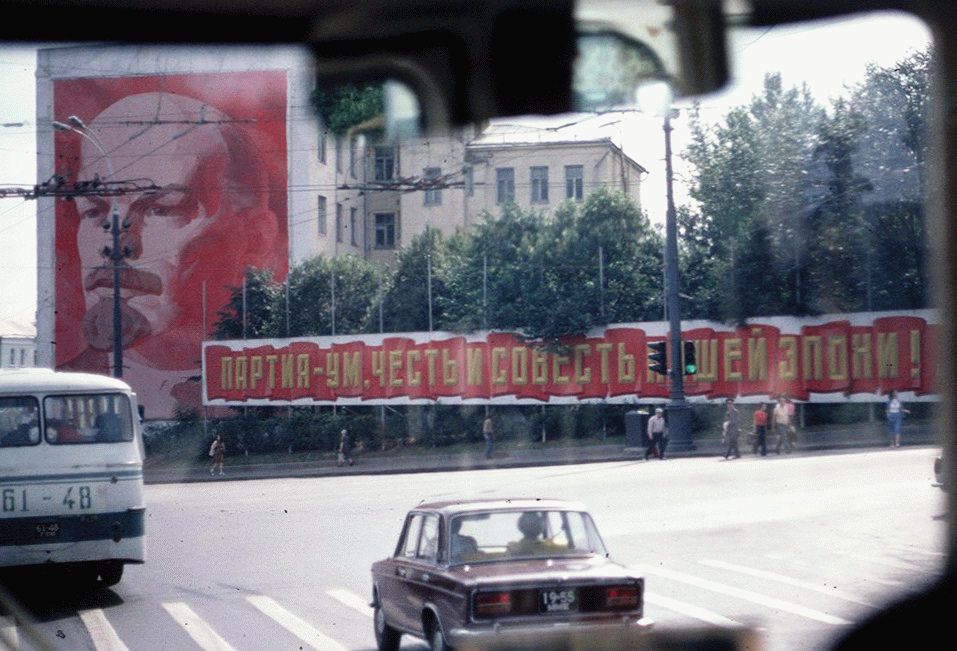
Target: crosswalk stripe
(745, 595)
(352, 600)
(101, 632)
(690, 610)
(196, 628)
(294, 624)
(781, 578)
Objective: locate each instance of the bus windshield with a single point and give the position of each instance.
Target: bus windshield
(87, 418)
(19, 421)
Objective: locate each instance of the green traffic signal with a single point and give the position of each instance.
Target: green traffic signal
(690, 363)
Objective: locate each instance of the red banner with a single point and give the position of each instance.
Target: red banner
(893, 352)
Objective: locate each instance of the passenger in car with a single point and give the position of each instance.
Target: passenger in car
(532, 527)
(462, 548)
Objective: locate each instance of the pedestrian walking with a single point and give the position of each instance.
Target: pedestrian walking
(218, 452)
(345, 448)
(895, 416)
(760, 430)
(732, 429)
(781, 420)
(488, 433)
(656, 435)
(792, 420)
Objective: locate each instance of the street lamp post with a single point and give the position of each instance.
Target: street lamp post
(76, 125)
(677, 411)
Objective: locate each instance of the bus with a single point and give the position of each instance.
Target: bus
(71, 474)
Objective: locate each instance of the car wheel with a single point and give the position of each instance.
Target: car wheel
(437, 639)
(386, 637)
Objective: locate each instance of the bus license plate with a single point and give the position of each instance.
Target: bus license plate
(558, 600)
(48, 529)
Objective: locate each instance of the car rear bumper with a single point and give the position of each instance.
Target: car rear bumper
(617, 634)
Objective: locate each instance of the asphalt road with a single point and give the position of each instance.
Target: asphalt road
(797, 547)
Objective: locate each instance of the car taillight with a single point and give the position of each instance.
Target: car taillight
(493, 603)
(621, 597)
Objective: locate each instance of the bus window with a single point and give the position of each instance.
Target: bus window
(19, 421)
(94, 418)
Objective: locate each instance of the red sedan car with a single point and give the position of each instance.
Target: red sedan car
(524, 573)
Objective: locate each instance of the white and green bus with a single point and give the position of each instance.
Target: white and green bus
(71, 474)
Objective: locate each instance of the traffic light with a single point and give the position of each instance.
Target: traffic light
(691, 364)
(659, 357)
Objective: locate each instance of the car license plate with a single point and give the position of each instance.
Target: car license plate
(558, 600)
(47, 529)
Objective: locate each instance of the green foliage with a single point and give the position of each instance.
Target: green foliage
(256, 303)
(348, 105)
(793, 201)
(587, 265)
(418, 270)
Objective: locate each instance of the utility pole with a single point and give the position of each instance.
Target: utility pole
(677, 411)
(116, 253)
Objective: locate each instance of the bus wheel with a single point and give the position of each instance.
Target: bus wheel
(110, 573)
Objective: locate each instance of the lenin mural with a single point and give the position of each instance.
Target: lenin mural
(212, 148)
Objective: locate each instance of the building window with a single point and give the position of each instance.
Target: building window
(539, 178)
(574, 182)
(352, 227)
(321, 150)
(339, 222)
(384, 163)
(504, 185)
(385, 230)
(321, 215)
(469, 178)
(433, 195)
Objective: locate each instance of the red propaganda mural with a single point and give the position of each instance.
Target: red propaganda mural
(207, 154)
(798, 358)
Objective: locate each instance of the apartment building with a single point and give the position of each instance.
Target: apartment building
(451, 181)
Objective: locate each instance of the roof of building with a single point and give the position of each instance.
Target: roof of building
(16, 328)
(614, 128)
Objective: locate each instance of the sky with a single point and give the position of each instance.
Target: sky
(828, 56)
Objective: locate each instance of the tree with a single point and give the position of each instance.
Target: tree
(751, 184)
(550, 276)
(801, 209)
(345, 106)
(332, 295)
(418, 270)
(252, 310)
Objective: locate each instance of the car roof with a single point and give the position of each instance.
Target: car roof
(455, 507)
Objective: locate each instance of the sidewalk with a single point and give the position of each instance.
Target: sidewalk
(812, 440)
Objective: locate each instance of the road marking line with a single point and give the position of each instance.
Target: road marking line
(690, 610)
(352, 600)
(201, 632)
(101, 631)
(746, 595)
(294, 624)
(781, 578)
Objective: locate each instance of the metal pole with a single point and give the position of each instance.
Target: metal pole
(677, 411)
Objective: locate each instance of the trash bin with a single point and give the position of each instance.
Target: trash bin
(636, 423)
